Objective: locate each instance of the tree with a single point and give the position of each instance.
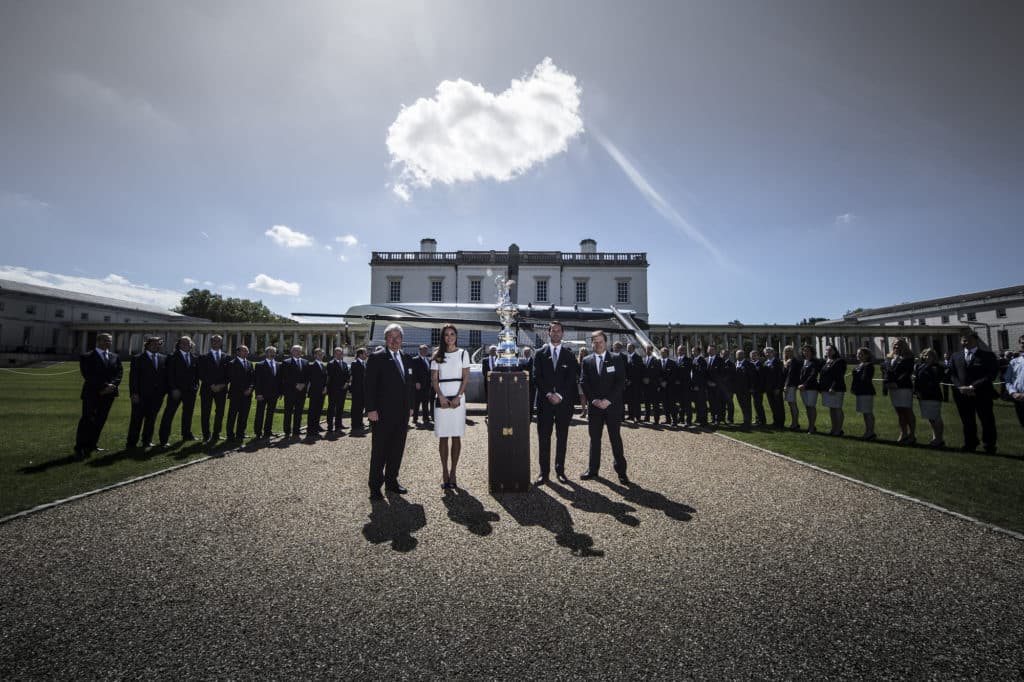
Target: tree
(811, 321)
(216, 308)
(735, 323)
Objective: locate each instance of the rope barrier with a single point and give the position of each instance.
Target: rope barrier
(36, 374)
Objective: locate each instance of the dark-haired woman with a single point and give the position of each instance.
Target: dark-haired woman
(832, 383)
(862, 386)
(809, 386)
(898, 378)
(449, 374)
(928, 377)
(790, 380)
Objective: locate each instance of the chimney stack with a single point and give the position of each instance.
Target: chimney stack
(588, 246)
(428, 245)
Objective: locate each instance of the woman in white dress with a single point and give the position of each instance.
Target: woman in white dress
(449, 374)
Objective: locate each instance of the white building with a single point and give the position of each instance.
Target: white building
(997, 315)
(34, 320)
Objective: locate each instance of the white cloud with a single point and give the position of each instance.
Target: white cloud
(845, 219)
(112, 286)
(658, 203)
(348, 240)
(329, 247)
(207, 283)
(289, 238)
(343, 258)
(480, 239)
(227, 287)
(274, 287)
(189, 281)
(205, 236)
(466, 133)
(16, 201)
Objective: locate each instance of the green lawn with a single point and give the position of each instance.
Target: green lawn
(40, 410)
(984, 486)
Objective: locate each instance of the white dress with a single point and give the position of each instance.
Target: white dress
(450, 421)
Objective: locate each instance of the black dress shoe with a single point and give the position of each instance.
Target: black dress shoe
(541, 480)
(587, 475)
(189, 437)
(396, 488)
(623, 479)
(561, 478)
(376, 495)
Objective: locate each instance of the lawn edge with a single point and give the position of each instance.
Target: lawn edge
(924, 503)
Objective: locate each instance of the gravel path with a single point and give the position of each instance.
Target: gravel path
(721, 561)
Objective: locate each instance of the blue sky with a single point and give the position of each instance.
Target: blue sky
(775, 160)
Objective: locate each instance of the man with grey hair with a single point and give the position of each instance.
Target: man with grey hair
(293, 385)
(389, 390)
(213, 373)
(268, 389)
(182, 384)
(241, 376)
(102, 372)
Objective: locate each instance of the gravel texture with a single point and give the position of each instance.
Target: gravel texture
(719, 562)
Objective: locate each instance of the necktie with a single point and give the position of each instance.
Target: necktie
(398, 364)
(216, 356)
(273, 368)
(106, 357)
(245, 364)
(598, 359)
(554, 355)
(156, 363)
(188, 361)
(299, 363)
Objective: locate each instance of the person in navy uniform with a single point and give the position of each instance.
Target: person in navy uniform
(681, 379)
(832, 385)
(744, 376)
(557, 372)
(213, 378)
(339, 376)
(358, 368)
(772, 380)
(716, 375)
(665, 404)
(293, 387)
(101, 369)
(147, 386)
(699, 385)
(974, 368)
(390, 393)
(725, 385)
(316, 383)
(182, 385)
(526, 365)
(423, 408)
(268, 390)
(649, 384)
(757, 387)
(487, 366)
(604, 382)
(634, 382)
(241, 377)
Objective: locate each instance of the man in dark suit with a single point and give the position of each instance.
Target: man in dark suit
(681, 387)
(526, 365)
(757, 387)
(488, 364)
(102, 372)
(147, 385)
(716, 375)
(557, 375)
(634, 382)
(316, 382)
(973, 371)
(664, 405)
(338, 378)
(389, 399)
(213, 375)
(358, 368)
(293, 387)
(242, 380)
(267, 382)
(725, 386)
(699, 385)
(947, 365)
(772, 379)
(649, 384)
(604, 382)
(744, 376)
(182, 384)
(423, 409)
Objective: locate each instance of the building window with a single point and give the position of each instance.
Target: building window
(901, 323)
(622, 291)
(435, 337)
(474, 338)
(435, 291)
(1000, 312)
(26, 337)
(56, 337)
(972, 317)
(542, 291)
(59, 313)
(581, 291)
(84, 317)
(106, 318)
(920, 321)
(945, 319)
(1004, 339)
(127, 320)
(474, 290)
(395, 291)
(30, 310)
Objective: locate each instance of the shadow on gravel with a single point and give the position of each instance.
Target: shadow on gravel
(537, 508)
(394, 520)
(468, 511)
(652, 500)
(589, 501)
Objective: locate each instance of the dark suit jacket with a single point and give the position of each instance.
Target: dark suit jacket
(899, 371)
(716, 370)
(833, 375)
(389, 393)
(609, 384)
(699, 373)
(809, 373)
(240, 377)
(316, 377)
(267, 385)
(358, 370)
(291, 374)
(771, 374)
(634, 370)
(667, 374)
(421, 372)
(979, 373)
(485, 366)
(861, 383)
(98, 373)
(182, 377)
(561, 380)
(744, 376)
(791, 372)
(760, 377)
(927, 381)
(147, 380)
(212, 372)
(682, 377)
(338, 376)
(652, 372)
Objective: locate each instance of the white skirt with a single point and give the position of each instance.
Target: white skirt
(791, 394)
(810, 398)
(930, 409)
(450, 422)
(865, 404)
(902, 397)
(832, 399)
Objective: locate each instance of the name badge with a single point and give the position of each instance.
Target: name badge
(610, 369)
(409, 371)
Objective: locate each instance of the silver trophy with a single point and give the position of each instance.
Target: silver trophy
(508, 353)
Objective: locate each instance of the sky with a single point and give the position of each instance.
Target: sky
(775, 160)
